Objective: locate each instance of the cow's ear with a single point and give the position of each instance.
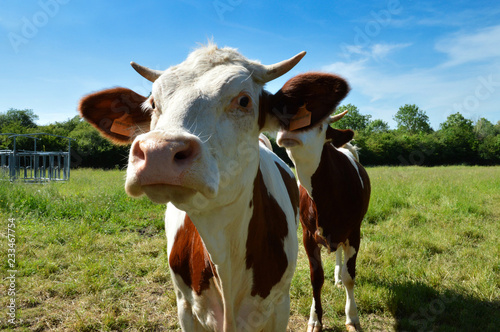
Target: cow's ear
(116, 113)
(339, 137)
(307, 99)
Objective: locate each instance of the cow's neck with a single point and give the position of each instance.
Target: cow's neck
(306, 161)
(224, 232)
(224, 226)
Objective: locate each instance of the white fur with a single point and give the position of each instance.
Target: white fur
(313, 316)
(306, 156)
(267, 143)
(351, 310)
(353, 149)
(338, 266)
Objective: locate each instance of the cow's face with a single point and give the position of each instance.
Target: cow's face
(304, 146)
(195, 139)
(203, 135)
(303, 141)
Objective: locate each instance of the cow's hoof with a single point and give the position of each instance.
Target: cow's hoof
(316, 328)
(353, 327)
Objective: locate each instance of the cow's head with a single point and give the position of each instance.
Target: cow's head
(195, 138)
(306, 144)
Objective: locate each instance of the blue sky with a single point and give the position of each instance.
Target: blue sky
(442, 56)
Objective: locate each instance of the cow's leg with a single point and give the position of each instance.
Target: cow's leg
(278, 316)
(185, 315)
(348, 274)
(338, 267)
(187, 319)
(317, 279)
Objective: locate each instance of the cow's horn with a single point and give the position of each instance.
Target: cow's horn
(274, 71)
(147, 73)
(337, 117)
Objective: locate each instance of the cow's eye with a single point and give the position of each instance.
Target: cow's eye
(244, 101)
(153, 105)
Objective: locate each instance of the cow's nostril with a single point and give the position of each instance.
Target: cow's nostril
(183, 155)
(138, 152)
(187, 152)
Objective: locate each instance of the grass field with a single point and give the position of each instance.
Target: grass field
(89, 258)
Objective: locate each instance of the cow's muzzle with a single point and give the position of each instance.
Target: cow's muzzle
(166, 167)
(286, 139)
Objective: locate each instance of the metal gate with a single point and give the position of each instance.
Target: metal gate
(35, 166)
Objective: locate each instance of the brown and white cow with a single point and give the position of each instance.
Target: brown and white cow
(334, 197)
(232, 211)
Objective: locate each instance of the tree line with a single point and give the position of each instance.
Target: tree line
(457, 141)
(414, 142)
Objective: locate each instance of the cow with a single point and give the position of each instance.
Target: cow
(232, 205)
(334, 197)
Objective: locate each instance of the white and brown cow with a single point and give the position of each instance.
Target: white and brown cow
(334, 197)
(232, 210)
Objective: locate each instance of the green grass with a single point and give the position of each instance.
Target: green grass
(91, 259)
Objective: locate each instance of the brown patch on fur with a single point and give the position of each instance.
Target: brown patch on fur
(266, 233)
(100, 109)
(190, 259)
(340, 201)
(339, 137)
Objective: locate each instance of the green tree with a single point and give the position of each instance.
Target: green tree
(457, 122)
(353, 119)
(90, 149)
(62, 128)
(17, 122)
(488, 147)
(484, 128)
(489, 150)
(377, 126)
(459, 140)
(410, 118)
(14, 118)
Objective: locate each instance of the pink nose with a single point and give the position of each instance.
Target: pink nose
(163, 161)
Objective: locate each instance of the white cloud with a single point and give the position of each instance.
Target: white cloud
(356, 49)
(382, 50)
(471, 47)
(377, 51)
